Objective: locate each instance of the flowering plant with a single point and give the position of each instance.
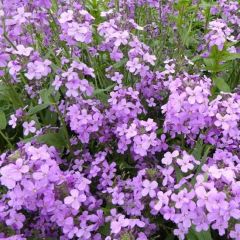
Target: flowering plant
(119, 120)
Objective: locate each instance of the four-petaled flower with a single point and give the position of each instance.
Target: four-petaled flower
(168, 157)
(29, 127)
(149, 188)
(75, 199)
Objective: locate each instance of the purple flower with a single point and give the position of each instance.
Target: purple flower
(168, 157)
(121, 38)
(38, 69)
(149, 188)
(167, 174)
(12, 173)
(66, 16)
(21, 16)
(235, 234)
(13, 121)
(195, 95)
(57, 83)
(219, 34)
(84, 232)
(163, 198)
(75, 199)
(42, 173)
(117, 198)
(151, 102)
(185, 162)
(149, 58)
(29, 127)
(117, 77)
(180, 232)
(14, 67)
(134, 65)
(15, 219)
(118, 223)
(222, 121)
(4, 58)
(23, 51)
(216, 200)
(131, 131)
(68, 227)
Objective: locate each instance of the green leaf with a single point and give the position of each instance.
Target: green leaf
(194, 235)
(170, 237)
(179, 173)
(196, 58)
(44, 94)
(54, 7)
(54, 139)
(120, 63)
(206, 150)
(48, 96)
(3, 121)
(37, 109)
(205, 4)
(230, 56)
(50, 118)
(99, 91)
(209, 62)
(221, 84)
(105, 229)
(197, 151)
(101, 95)
(10, 95)
(191, 236)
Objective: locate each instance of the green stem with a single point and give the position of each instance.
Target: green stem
(17, 101)
(203, 161)
(6, 139)
(207, 20)
(5, 35)
(10, 42)
(64, 128)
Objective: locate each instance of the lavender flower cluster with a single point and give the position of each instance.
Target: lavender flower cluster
(103, 138)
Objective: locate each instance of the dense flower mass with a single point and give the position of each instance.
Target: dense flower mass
(119, 120)
(187, 108)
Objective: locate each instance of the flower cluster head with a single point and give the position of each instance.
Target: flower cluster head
(38, 69)
(85, 118)
(218, 34)
(36, 184)
(185, 161)
(116, 36)
(74, 80)
(124, 105)
(187, 107)
(140, 135)
(76, 26)
(224, 111)
(229, 9)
